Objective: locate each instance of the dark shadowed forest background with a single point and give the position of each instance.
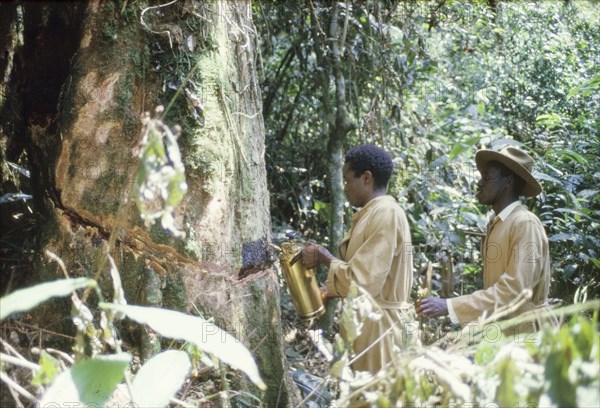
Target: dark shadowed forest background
(432, 83)
(182, 211)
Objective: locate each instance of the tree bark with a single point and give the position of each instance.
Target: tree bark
(338, 123)
(109, 63)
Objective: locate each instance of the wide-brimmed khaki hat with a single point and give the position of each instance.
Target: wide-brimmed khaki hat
(515, 159)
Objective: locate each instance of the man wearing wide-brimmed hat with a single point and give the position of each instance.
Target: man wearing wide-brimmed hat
(516, 258)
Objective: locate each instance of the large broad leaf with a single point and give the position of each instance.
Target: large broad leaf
(205, 335)
(87, 382)
(28, 298)
(160, 378)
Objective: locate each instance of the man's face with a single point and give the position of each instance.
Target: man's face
(354, 187)
(491, 186)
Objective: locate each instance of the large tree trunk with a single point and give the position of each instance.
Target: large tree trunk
(82, 76)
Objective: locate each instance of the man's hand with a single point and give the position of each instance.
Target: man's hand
(326, 295)
(313, 255)
(432, 307)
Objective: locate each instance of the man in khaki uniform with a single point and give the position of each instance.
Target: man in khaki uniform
(375, 254)
(515, 251)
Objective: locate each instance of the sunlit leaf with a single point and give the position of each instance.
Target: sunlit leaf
(88, 382)
(457, 149)
(550, 120)
(24, 299)
(587, 88)
(205, 335)
(486, 352)
(160, 378)
(561, 237)
(571, 211)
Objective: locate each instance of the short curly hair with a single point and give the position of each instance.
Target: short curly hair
(372, 158)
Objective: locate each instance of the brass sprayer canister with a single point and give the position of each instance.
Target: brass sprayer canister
(301, 282)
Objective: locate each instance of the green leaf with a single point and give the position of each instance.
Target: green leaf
(349, 320)
(28, 298)
(561, 237)
(339, 366)
(584, 336)
(570, 155)
(160, 378)
(205, 335)
(550, 120)
(49, 368)
(571, 211)
(87, 382)
(321, 206)
(506, 394)
(556, 370)
(485, 352)
(462, 147)
(567, 155)
(457, 149)
(586, 88)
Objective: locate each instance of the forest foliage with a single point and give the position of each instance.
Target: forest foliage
(432, 82)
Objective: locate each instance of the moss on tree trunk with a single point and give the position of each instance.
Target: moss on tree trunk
(199, 62)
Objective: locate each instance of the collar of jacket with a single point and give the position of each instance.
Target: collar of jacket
(361, 213)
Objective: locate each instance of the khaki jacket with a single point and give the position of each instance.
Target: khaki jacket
(515, 257)
(376, 254)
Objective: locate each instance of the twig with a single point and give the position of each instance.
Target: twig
(524, 296)
(11, 349)
(16, 387)
(39, 329)
(148, 28)
(233, 23)
(499, 314)
(314, 390)
(345, 401)
(59, 261)
(5, 358)
(357, 356)
(186, 389)
(62, 354)
(182, 403)
(260, 342)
